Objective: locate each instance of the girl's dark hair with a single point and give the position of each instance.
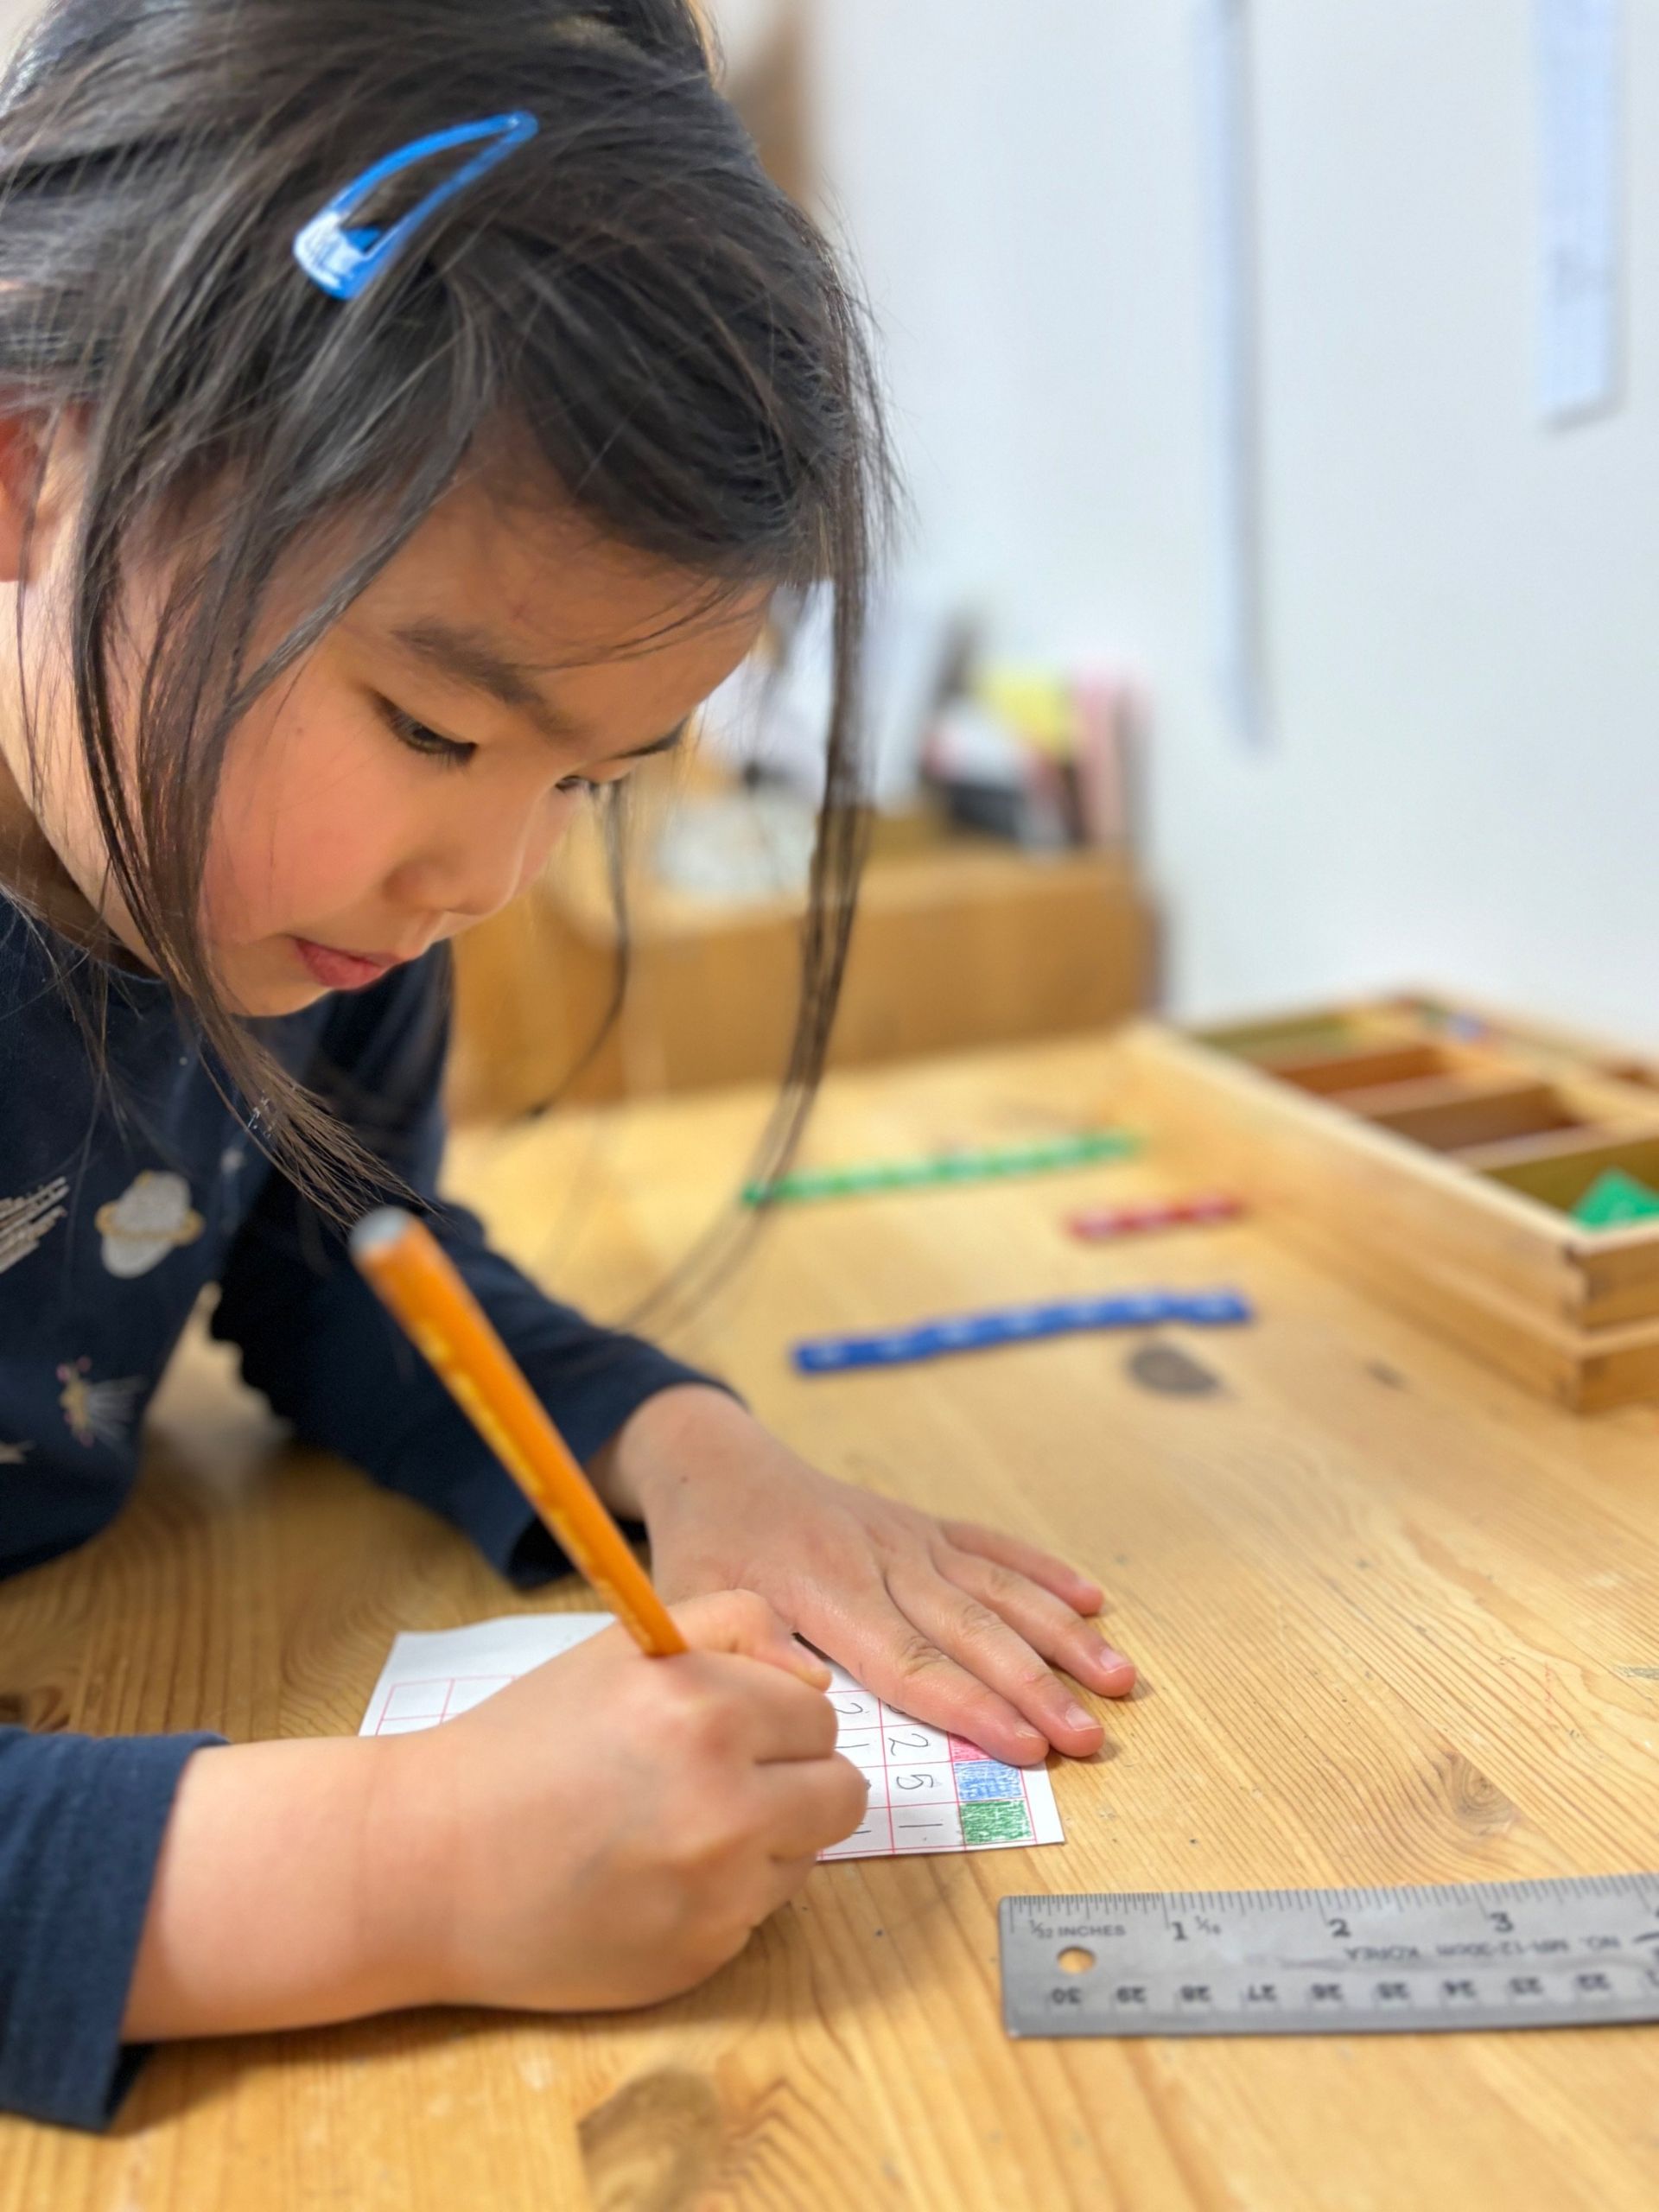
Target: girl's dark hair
(627, 297)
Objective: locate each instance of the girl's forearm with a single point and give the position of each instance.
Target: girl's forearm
(297, 1884)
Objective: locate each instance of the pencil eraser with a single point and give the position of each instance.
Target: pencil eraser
(379, 1231)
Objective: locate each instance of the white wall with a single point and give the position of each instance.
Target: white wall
(1464, 644)
(1464, 782)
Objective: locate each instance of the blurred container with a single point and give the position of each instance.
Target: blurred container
(959, 942)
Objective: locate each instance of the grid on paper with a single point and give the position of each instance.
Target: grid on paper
(929, 1791)
(410, 1705)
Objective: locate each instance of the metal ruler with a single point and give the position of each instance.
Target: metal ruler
(1263, 1962)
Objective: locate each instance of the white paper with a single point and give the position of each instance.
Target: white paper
(1580, 165)
(1223, 36)
(929, 1791)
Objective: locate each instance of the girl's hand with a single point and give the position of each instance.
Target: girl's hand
(604, 1832)
(953, 1623)
(609, 1829)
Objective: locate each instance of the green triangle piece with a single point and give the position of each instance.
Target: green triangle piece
(1615, 1200)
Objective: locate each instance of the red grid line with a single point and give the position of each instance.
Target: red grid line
(449, 1683)
(886, 1787)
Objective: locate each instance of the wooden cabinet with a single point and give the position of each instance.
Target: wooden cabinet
(956, 945)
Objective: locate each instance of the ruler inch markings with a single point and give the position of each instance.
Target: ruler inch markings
(1425, 1958)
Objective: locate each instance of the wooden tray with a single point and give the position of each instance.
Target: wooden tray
(1434, 1151)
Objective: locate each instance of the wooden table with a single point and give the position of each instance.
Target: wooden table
(1398, 1623)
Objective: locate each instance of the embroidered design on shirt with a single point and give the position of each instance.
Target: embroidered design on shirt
(23, 1222)
(97, 1413)
(13, 1455)
(152, 1217)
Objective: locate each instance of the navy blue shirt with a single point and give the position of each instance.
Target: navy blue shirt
(123, 1196)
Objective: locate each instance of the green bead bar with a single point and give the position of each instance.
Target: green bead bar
(1039, 1159)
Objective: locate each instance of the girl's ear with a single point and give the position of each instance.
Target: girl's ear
(34, 481)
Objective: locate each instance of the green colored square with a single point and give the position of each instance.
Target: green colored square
(995, 1820)
(1614, 1200)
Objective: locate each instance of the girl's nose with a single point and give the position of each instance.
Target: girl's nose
(475, 866)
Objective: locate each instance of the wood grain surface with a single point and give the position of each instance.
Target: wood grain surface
(1397, 1620)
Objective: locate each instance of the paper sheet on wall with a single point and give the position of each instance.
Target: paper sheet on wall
(1222, 30)
(1579, 45)
(929, 1791)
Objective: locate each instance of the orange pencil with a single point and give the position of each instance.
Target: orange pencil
(418, 1281)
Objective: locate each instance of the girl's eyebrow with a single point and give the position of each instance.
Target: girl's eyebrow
(665, 743)
(470, 657)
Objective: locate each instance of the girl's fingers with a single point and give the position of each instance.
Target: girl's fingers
(787, 1876)
(980, 1639)
(770, 1887)
(1078, 1590)
(781, 1880)
(809, 1807)
(749, 1626)
(1048, 1625)
(892, 1653)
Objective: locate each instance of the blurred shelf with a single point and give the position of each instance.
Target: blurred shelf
(956, 945)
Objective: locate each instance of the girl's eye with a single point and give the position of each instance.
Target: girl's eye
(426, 742)
(584, 784)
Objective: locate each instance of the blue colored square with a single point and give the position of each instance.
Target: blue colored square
(979, 1781)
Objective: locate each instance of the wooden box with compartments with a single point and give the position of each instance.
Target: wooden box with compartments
(1436, 1151)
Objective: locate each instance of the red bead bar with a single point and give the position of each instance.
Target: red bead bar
(1155, 1213)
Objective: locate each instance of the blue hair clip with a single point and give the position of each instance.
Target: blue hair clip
(342, 260)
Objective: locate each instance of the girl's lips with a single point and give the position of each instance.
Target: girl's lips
(342, 971)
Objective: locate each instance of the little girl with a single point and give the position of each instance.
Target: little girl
(406, 412)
